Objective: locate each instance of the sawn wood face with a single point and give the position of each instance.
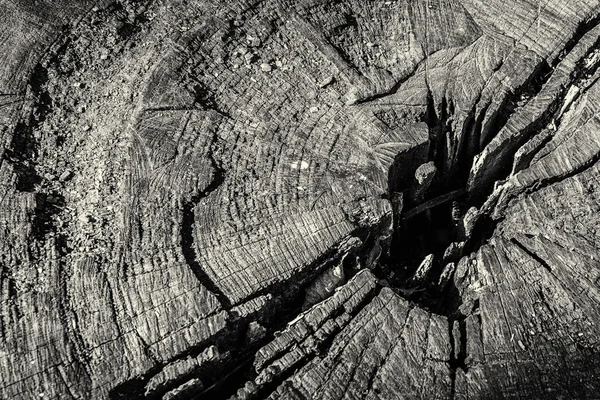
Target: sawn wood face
(299, 199)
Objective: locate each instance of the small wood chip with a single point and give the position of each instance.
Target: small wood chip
(65, 176)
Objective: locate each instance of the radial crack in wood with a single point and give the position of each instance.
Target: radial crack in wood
(316, 199)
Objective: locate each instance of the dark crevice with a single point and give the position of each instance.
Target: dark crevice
(430, 224)
(576, 171)
(134, 388)
(498, 120)
(552, 180)
(457, 332)
(231, 337)
(524, 94)
(207, 100)
(582, 29)
(426, 225)
(380, 95)
(435, 125)
(235, 374)
(520, 96)
(531, 254)
(541, 140)
(542, 74)
(222, 380)
(485, 226)
(289, 303)
(322, 348)
(189, 249)
(457, 355)
(188, 246)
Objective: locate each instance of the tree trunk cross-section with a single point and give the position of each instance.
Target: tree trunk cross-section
(316, 199)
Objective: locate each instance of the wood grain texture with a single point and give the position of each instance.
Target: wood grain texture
(299, 199)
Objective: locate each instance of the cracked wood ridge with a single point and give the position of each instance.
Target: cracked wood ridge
(317, 199)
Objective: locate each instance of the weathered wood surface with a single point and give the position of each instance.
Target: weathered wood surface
(299, 199)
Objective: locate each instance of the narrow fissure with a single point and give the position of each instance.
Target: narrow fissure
(531, 254)
(188, 246)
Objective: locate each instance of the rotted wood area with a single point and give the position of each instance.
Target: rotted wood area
(299, 199)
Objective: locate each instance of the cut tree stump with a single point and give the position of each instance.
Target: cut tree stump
(217, 200)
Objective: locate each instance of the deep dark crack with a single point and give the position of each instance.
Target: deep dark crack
(188, 245)
(432, 224)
